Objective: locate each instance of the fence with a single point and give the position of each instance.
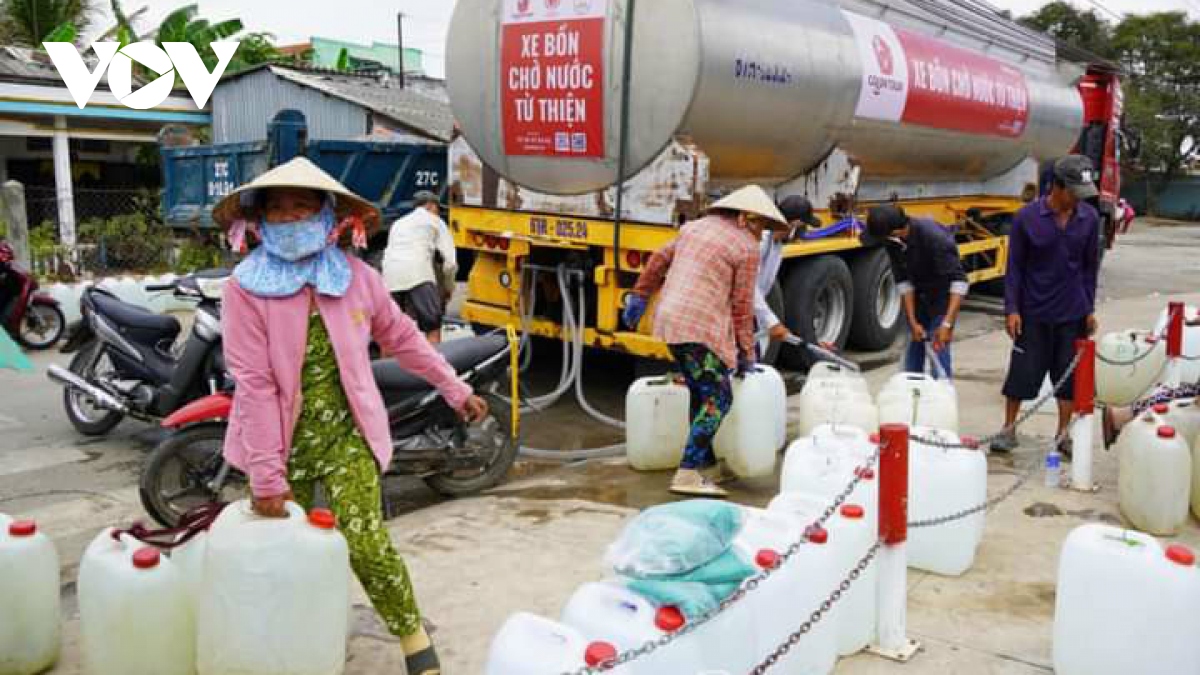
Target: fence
(118, 231)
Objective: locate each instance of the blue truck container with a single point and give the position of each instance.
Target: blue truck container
(196, 178)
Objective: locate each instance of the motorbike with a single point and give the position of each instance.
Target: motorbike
(429, 440)
(34, 319)
(127, 362)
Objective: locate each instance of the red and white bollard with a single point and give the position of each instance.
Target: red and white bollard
(1085, 413)
(1174, 375)
(891, 640)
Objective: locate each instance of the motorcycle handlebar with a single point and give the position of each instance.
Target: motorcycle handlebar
(158, 288)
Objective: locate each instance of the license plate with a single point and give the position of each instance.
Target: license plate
(559, 228)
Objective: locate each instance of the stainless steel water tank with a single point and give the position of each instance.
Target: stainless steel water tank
(689, 79)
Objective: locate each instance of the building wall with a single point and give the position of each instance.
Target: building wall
(242, 108)
(327, 51)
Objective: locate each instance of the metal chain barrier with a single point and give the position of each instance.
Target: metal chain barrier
(1025, 417)
(856, 572)
(754, 582)
(820, 612)
(1022, 479)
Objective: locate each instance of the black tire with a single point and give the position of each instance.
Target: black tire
(807, 285)
(84, 364)
(497, 425)
(51, 325)
(877, 308)
(178, 474)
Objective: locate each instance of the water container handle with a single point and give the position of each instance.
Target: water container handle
(190, 524)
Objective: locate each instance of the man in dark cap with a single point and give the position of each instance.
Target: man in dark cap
(799, 214)
(929, 276)
(1050, 290)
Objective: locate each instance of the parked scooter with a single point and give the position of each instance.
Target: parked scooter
(32, 318)
(429, 439)
(128, 363)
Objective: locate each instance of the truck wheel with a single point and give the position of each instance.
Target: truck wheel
(877, 308)
(819, 297)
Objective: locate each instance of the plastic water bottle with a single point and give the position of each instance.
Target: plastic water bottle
(1053, 469)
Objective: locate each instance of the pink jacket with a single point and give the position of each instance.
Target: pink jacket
(264, 343)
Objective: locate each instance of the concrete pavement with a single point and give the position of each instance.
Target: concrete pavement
(527, 545)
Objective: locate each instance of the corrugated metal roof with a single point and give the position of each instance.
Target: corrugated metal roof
(411, 109)
(20, 63)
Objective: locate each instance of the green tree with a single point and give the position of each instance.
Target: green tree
(1161, 56)
(183, 25)
(1083, 29)
(31, 22)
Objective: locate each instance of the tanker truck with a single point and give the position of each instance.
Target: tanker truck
(589, 130)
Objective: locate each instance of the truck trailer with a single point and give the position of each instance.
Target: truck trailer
(591, 129)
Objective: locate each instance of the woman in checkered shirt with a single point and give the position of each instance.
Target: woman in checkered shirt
(705, 279)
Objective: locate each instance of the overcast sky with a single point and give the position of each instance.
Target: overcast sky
(425, 20)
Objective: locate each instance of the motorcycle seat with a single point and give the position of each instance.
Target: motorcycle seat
(139, 322)
(462, 355)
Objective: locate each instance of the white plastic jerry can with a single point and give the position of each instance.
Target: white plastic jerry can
(824, 463)
(30, 637)
(1189, 369)
(916, 399)
(531, 645)
(826, 372)
(1183, 415)
(851, 533)
(804, 580)
(1125, 605)
(1127, 365)
(610, 612)
(135, 615)
(657, 422)
(749, 437)
(942, 482)
(778, 388)
(843, 400)
(274, 596)
(1155, 476)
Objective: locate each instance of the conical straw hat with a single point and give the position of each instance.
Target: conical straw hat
(754, 200)
(298, 173)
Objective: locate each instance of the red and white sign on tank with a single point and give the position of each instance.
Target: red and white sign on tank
(914, 79)
(552, 72)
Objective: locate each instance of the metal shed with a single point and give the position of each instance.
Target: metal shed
(338, 106)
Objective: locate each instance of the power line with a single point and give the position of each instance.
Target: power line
(1118, 17)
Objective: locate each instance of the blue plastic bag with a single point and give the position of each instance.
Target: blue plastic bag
(11, 356)
(674, 539)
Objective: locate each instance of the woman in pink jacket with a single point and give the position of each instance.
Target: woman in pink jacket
(298, 317)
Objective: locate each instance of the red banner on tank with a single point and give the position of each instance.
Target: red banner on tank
(958, 90)
(552, 79)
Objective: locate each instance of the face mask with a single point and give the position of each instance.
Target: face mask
(300, 239)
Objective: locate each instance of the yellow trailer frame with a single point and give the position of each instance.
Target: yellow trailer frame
(502, 240)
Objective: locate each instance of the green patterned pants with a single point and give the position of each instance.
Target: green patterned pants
(330, 450)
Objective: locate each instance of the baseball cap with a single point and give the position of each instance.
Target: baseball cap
(1077, 173)
(797, 208)
(882, 220)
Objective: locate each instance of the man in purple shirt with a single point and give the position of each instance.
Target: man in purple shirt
(1050, 290)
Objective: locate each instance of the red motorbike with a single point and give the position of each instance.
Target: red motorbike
(32, 318)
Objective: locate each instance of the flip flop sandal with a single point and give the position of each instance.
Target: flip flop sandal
(1109, 427)
(705, 489)
(424, 662)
